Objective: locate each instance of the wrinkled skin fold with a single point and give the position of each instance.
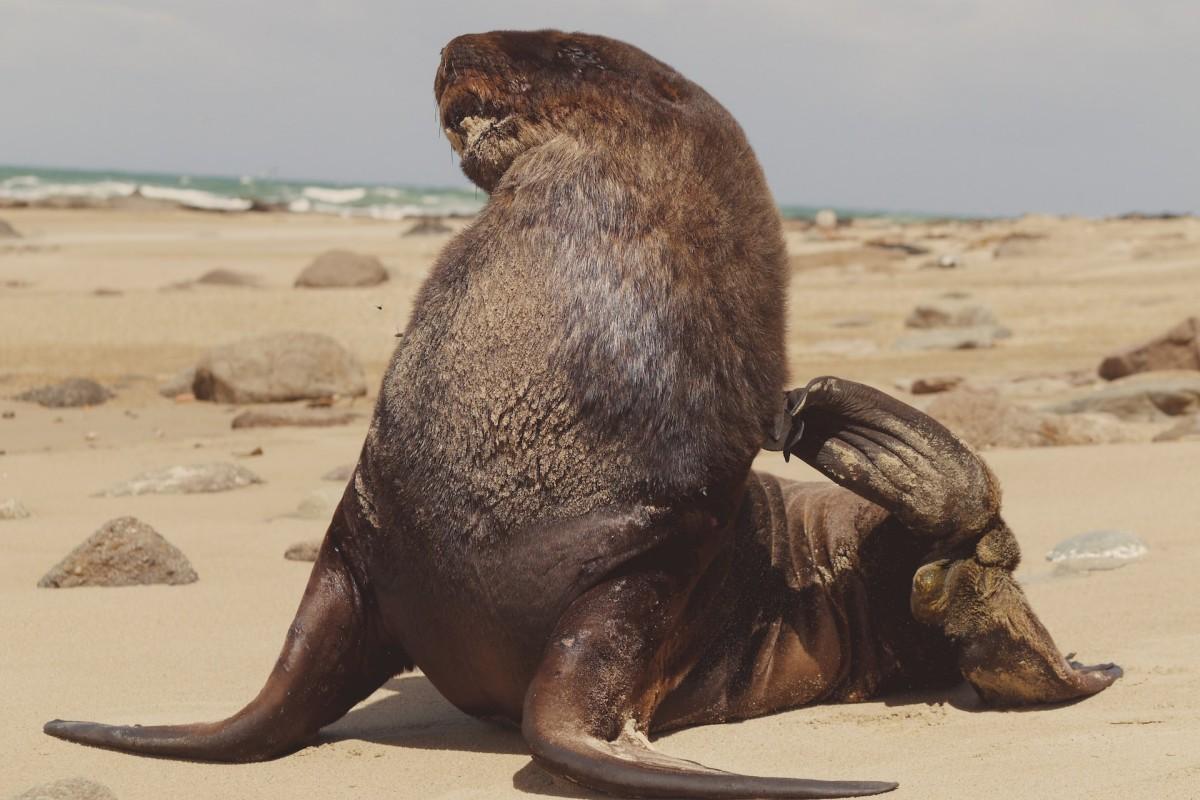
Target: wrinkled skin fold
(553, 515)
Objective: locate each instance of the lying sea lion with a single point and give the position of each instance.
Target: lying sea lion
(553, 515)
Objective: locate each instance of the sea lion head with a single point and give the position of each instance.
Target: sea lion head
(502, 93)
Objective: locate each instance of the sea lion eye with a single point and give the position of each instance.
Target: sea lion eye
(578, 57)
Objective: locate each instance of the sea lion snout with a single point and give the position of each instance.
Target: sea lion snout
(503, 93)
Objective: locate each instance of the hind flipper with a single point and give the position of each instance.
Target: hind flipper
(332, 659)
(893, 455)
(601, 678)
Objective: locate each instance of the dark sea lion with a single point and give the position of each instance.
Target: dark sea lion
(553, 515)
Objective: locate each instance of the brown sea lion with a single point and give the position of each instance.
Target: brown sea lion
(553, 515)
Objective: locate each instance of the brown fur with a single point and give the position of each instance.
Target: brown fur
(630, 217)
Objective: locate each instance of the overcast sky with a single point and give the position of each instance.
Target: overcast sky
(996, 106)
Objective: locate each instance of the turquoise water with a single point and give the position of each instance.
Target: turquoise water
(218, 193)
(380, 201)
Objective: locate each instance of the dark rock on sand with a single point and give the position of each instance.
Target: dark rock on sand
(342, 268)
(984, 419)
(68, 789)
(935, 384)
(1148, 397)
(339, 474)
(124, 552)
(429, 226)
(1178, 348)
(1097, 550)
(185, 479)
(8, 231)
(303, 551)
(12, 508)
(1186, 430)
(71, 393)
(279, 368)
(293, 418)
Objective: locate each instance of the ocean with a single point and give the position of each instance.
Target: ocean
(41, 185)
(36, 185)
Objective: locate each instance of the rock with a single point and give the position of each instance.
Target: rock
(935, 384)
(187, 479)
(71, 393)
(226, 277)
(1187, 430)
(179, 383)
(857, 321)
(1017, 245)
(124, 552)
(105, 291)
(1097, 550)
(293, 417)
(1147, 397)
(317, 504)
(945, 261)
(13, 509)
(340, 474)
(279, 367)
(985, 419)
(899, 246)
(950, 314)
(1178, 348)
(342, 268)
(952, 339)
(429, 226)
(219, 277)
(826, 219)
(68, 789)
(303, 551)
(8, 231)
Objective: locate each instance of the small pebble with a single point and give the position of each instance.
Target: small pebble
(12, 508)
(1097, 550)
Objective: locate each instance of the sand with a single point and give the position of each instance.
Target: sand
(197, 652)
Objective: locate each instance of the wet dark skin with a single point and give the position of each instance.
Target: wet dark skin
(554, 516)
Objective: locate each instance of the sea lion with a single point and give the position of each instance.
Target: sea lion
(553, 515)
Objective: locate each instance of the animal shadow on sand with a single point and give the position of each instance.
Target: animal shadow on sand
(415, 715)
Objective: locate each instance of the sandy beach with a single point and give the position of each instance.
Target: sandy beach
(1070, 291)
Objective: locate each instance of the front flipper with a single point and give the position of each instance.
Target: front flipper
(603, 674)
(893, 455)
(1004, 650)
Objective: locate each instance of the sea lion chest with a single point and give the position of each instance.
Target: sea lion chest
(478, 443)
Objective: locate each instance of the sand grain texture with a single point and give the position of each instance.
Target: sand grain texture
(1072, 292)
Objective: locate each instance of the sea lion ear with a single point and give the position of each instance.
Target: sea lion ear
(1010, 657)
